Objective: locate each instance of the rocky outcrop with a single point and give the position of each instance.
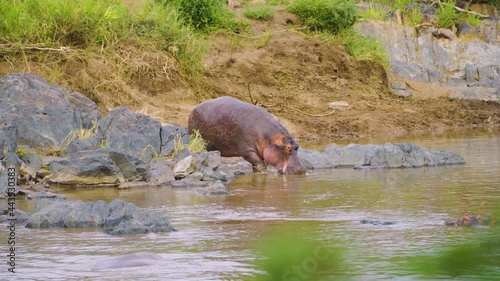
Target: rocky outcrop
(136, 133)
(398, 155)
(117, 217)
(29, 108)
(436, 55)
(104, 166)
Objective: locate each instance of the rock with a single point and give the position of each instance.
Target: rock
(34, 106)
(10, 161)
(421, 57)
(117, 217)
(399, 155)
(91, 143)
(190, 182)
(136, 133)
(87, 215)
(96, 169)
(184, 167)
(131, 167)
(46, 195)
(350, 155)
(50, 213)
(20, 216)
(126, 218)
(31, 164)
(476, 93)
(8, 131)
(216, 188)
(313, 159)
(169, 133)
(442, 157)
(89, 110)
(185, 152)
(159, 173)
(339, 105)
(465, 29)
(443, 33)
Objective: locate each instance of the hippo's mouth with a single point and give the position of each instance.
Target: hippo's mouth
(283, 169)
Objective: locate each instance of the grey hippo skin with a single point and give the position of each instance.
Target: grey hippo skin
(131, 260)
(237, 128)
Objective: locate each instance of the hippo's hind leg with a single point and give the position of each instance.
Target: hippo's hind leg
(257, 164)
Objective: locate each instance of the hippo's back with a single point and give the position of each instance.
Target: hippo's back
(229, 125)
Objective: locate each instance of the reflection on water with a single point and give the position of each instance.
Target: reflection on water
(217, 234)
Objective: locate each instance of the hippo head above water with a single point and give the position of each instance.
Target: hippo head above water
(281, 152)
(237, 128)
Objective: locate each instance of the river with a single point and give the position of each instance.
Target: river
(218, 236)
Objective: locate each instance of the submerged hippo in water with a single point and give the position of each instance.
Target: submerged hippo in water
(237, 128)
(471, 221)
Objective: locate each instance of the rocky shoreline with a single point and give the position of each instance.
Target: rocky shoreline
(51, 136)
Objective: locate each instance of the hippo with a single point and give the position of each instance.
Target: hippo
(237, 128)
(471, 221)
(131, 260)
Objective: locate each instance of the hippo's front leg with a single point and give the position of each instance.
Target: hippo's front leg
(257, 164)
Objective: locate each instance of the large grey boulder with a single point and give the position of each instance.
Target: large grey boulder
(44, 115)
(312, 159)
(398, 155)
(103, 166)
(136, 133)
(169, 134)
(131, 167)
(349, 155)
(117, 217)
(96, 169)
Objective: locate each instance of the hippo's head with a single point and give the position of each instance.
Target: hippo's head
(470, 221)
(282, 154)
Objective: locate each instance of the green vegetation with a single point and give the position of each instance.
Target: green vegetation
(205, 15)
(196, 144)
(376, 12)
(447, 17)
(415, 17)
(259, 12)
(59, 22)
(325, 15)
(358, 46)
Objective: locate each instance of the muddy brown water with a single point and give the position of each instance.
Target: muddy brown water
(217, 235)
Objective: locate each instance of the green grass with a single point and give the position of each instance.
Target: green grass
(376, 12)
(196, 144)
(358, 46)
(325, 15)
(205, 15)
(259, 11)
(60, 22)
(162, 25)
(415, 17)
(447, 16)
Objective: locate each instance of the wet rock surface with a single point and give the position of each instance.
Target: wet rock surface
(117, 217)
(398, 155)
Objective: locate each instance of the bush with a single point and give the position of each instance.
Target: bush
(205, 15)
(259, 12)
(73, 23)
(447, 17)
(329, 15)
